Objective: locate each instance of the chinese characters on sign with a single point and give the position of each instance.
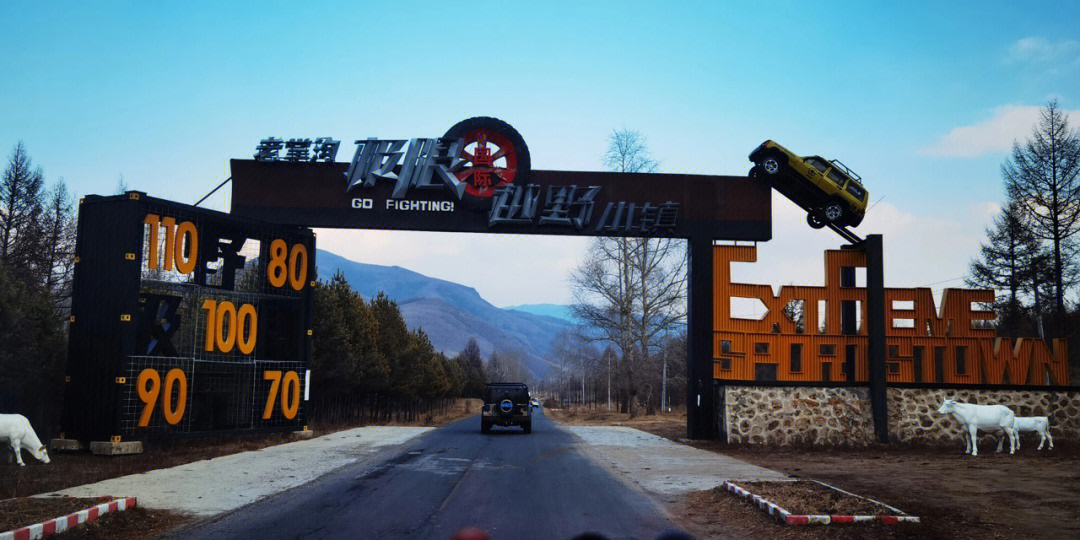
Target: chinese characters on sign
(441, 164)
(573, 207)
(427, 164)
(297, 150)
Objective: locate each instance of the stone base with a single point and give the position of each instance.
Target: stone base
(65, 445)
(102, 448)
(301, 435)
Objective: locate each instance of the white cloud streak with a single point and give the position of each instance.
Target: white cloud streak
(995, 135)
(1036, 49)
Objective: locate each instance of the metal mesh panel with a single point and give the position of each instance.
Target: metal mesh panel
(184, 320)
(218, 396)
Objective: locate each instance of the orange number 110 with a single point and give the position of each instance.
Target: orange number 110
(176, 237)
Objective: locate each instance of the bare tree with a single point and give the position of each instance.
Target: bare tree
(631, 291)
(58, 255)
(1043, 177)
(576, 356)
(627, 152)
(21, 207)
(1006, 263)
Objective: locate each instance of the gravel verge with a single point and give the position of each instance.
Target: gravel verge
(225, 483)
(662, 466)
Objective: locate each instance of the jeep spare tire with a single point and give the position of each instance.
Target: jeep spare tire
(506, 407)
(495, 155)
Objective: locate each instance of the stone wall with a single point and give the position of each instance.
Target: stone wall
(913, 412)
(804, 415)
(834, 416)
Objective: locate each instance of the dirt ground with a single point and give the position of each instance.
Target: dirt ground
(68, 469)
(1030, 494)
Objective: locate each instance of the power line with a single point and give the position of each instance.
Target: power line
(943, 281)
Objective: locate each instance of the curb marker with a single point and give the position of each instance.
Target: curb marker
(70, 521)
(787, 517)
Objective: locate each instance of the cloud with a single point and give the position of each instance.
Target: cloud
(920, 250)
(1009, 123)
(1040, 50)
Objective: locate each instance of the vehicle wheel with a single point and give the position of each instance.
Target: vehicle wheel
(833, 211)
(772, 165)
(814, 220)
(485, 428)
(495, 155)
(527, 426)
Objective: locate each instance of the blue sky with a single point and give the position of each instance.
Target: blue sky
(921, 99)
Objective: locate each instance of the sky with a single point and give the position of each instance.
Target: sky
(923, 99)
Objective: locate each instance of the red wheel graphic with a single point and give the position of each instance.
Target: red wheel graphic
(495, 155)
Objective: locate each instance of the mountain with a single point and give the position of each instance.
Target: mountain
(451, 313)
(558, 311)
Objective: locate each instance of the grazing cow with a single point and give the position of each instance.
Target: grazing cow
(973, 417)
(16, 430)
(1038, 424)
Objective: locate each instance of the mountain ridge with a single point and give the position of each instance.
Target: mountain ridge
(449, 313)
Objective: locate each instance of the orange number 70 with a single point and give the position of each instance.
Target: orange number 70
(290, 393)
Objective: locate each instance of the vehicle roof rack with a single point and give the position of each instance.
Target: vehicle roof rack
(851, 174)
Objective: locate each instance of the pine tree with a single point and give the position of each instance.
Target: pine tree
(1006, 263)
(21, 208)
(1043, 177)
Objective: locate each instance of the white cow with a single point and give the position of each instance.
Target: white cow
(1038, 424)
(973, 417)
(16, 430)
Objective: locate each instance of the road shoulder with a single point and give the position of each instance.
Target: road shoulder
(223, 484)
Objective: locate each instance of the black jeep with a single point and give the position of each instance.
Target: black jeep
(506, 404)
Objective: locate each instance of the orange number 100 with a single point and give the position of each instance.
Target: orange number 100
(227, 327)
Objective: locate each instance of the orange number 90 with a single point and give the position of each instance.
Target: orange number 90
(149, 388)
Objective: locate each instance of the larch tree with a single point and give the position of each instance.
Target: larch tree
(1043, 177)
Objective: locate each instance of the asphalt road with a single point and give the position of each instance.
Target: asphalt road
(512, 485)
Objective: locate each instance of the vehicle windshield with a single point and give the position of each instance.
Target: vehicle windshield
(817, 163)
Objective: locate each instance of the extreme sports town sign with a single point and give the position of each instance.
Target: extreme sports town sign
(477, 178)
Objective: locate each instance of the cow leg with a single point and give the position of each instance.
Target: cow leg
(1001, 439)
(973, 436)
(1012, 440)
(1049, 438)
(967, 441)
(16, 446)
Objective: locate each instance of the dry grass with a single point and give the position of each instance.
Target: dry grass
(132, 524)
(672, 425)
(461, 408)
(1031, 494)
(16, 513)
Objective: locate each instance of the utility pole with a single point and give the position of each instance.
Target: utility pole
(608, 381)
(663, 389)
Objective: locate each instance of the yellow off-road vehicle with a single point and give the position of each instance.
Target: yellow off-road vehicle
(828, 190)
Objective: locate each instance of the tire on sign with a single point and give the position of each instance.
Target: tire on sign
(495, 155)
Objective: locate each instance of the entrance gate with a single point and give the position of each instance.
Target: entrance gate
(476, 179)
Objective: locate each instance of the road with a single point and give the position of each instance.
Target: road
(512, 485)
